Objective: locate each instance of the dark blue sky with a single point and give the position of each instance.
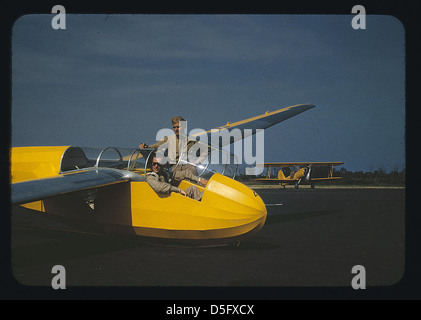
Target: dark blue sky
(116, 80)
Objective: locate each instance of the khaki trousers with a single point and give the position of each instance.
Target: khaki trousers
(194, 193)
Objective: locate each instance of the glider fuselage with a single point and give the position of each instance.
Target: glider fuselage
(229, 211)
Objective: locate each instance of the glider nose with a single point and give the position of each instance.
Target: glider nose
(238, 204)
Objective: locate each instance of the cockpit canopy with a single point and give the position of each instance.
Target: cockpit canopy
(139, 161)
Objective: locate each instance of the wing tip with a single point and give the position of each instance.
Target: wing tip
(306, 106)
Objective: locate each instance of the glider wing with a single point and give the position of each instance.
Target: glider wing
(262, 121)
(32, 190)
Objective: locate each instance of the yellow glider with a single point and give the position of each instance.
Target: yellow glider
(104, 190)
(110, 198)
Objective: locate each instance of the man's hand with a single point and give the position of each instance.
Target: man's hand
(204, 182)
(183, 192)
(143, 145)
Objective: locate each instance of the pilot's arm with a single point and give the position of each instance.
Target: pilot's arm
(179, 175)
(160, 186)
(153, 146)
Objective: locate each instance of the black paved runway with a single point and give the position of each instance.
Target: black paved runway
(311, 238)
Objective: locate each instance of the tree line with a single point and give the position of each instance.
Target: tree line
(376, 177)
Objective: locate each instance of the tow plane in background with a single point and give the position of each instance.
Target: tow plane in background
(104, 190)
(298, 173)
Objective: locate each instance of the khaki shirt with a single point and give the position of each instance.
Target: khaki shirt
(177, 151)
(159, 182)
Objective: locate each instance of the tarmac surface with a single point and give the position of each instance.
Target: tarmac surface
(312, 238)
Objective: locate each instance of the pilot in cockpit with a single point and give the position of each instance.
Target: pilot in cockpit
(159, 180)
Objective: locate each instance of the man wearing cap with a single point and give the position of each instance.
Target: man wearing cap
(182, 170)
(158, 179)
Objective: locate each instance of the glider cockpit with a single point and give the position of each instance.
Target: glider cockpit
(139, 161)
(78, 158)
(40, 172)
